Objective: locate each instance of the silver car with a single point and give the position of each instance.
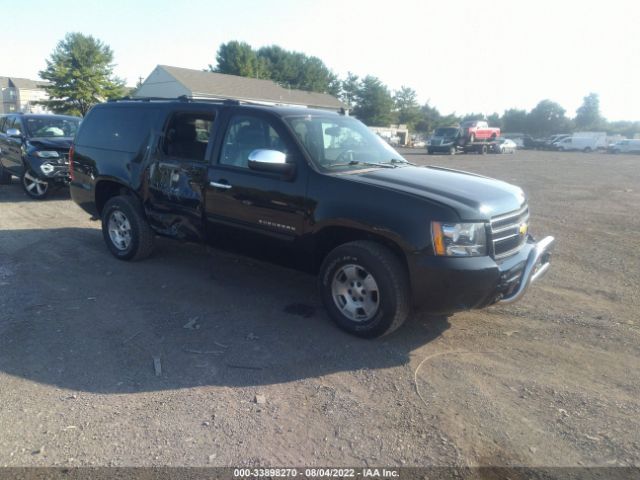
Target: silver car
(625, 146)
(505, 145)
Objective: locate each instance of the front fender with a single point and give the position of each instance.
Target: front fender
(400, 217)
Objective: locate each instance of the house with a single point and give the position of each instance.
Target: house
(394, 134)
(22, 95)
(172, 82)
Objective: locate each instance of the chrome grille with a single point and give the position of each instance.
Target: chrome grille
(506, 232)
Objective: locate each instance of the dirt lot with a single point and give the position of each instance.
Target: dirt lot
(551, 381)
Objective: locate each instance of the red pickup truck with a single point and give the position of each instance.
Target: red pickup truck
(478, 130)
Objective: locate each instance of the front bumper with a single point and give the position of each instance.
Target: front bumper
(59, 171)
(451, 284)
(445, 148)
(536, 266)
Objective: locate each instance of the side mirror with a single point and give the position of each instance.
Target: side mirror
(14, 133)
(273, 161)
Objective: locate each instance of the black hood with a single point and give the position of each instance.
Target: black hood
(474, 197)
(55, 143)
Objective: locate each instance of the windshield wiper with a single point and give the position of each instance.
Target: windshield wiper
(398, 161)
(358, 162)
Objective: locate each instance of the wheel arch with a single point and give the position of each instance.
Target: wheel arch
(331, 237)
(107, 188)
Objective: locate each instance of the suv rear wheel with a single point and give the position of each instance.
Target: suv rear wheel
(365, 289)
(125, 229)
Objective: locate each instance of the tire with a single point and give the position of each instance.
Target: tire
(5, 176)
(378, 285)
(429, 152)
(125, 229)
(587, 150)
(33, 186)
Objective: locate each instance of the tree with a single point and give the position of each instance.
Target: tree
(374, 103)
(546, 118)
(313, 74)
(287, 68)
(297, 70)
(514, 121)
(407, 106)
(623, 127)
(472, 116)
(238, 58)
(588, 115)
(335, 85)
(350, 87)
(429, 119)
(495, 120)
(81, 75)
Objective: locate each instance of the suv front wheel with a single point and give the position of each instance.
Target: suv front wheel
(125, 229)
(33, 186)
(365, 289)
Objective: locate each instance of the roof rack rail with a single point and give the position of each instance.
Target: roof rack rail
(223, 101)
(181, 98)
(138, 99)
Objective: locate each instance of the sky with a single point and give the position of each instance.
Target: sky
(462, 56)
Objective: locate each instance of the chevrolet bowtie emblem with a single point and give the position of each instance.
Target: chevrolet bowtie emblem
(523, 229)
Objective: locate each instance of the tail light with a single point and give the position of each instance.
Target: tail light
(71, 173)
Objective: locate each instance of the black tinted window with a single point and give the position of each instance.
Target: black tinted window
(125, 129)
(187, 135)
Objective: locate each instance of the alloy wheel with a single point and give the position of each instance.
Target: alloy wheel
(34, 185)
(119, 229)
(355, 293)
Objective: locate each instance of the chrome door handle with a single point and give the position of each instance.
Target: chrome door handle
(226, 186)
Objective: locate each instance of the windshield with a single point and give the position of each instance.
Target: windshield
(51, 126)
(342, 142)
(445, 132)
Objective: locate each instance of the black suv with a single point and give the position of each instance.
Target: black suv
(318, 187)
(35, 148)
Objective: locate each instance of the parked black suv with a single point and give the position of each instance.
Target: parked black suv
(383, 235)
(35, 148)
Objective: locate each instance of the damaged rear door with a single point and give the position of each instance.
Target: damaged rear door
(178, 173)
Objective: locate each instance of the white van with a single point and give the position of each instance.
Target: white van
(625, 146)
(584, 144)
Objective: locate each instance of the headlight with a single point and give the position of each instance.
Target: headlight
(47, 168)
(46, 154)
(459, 239)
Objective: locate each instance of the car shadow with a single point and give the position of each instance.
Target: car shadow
(14, 193)
(191, 315)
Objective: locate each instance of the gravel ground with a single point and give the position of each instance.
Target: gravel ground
(97, 367)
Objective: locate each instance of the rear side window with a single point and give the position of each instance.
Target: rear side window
(125, 129)
(187, 135)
